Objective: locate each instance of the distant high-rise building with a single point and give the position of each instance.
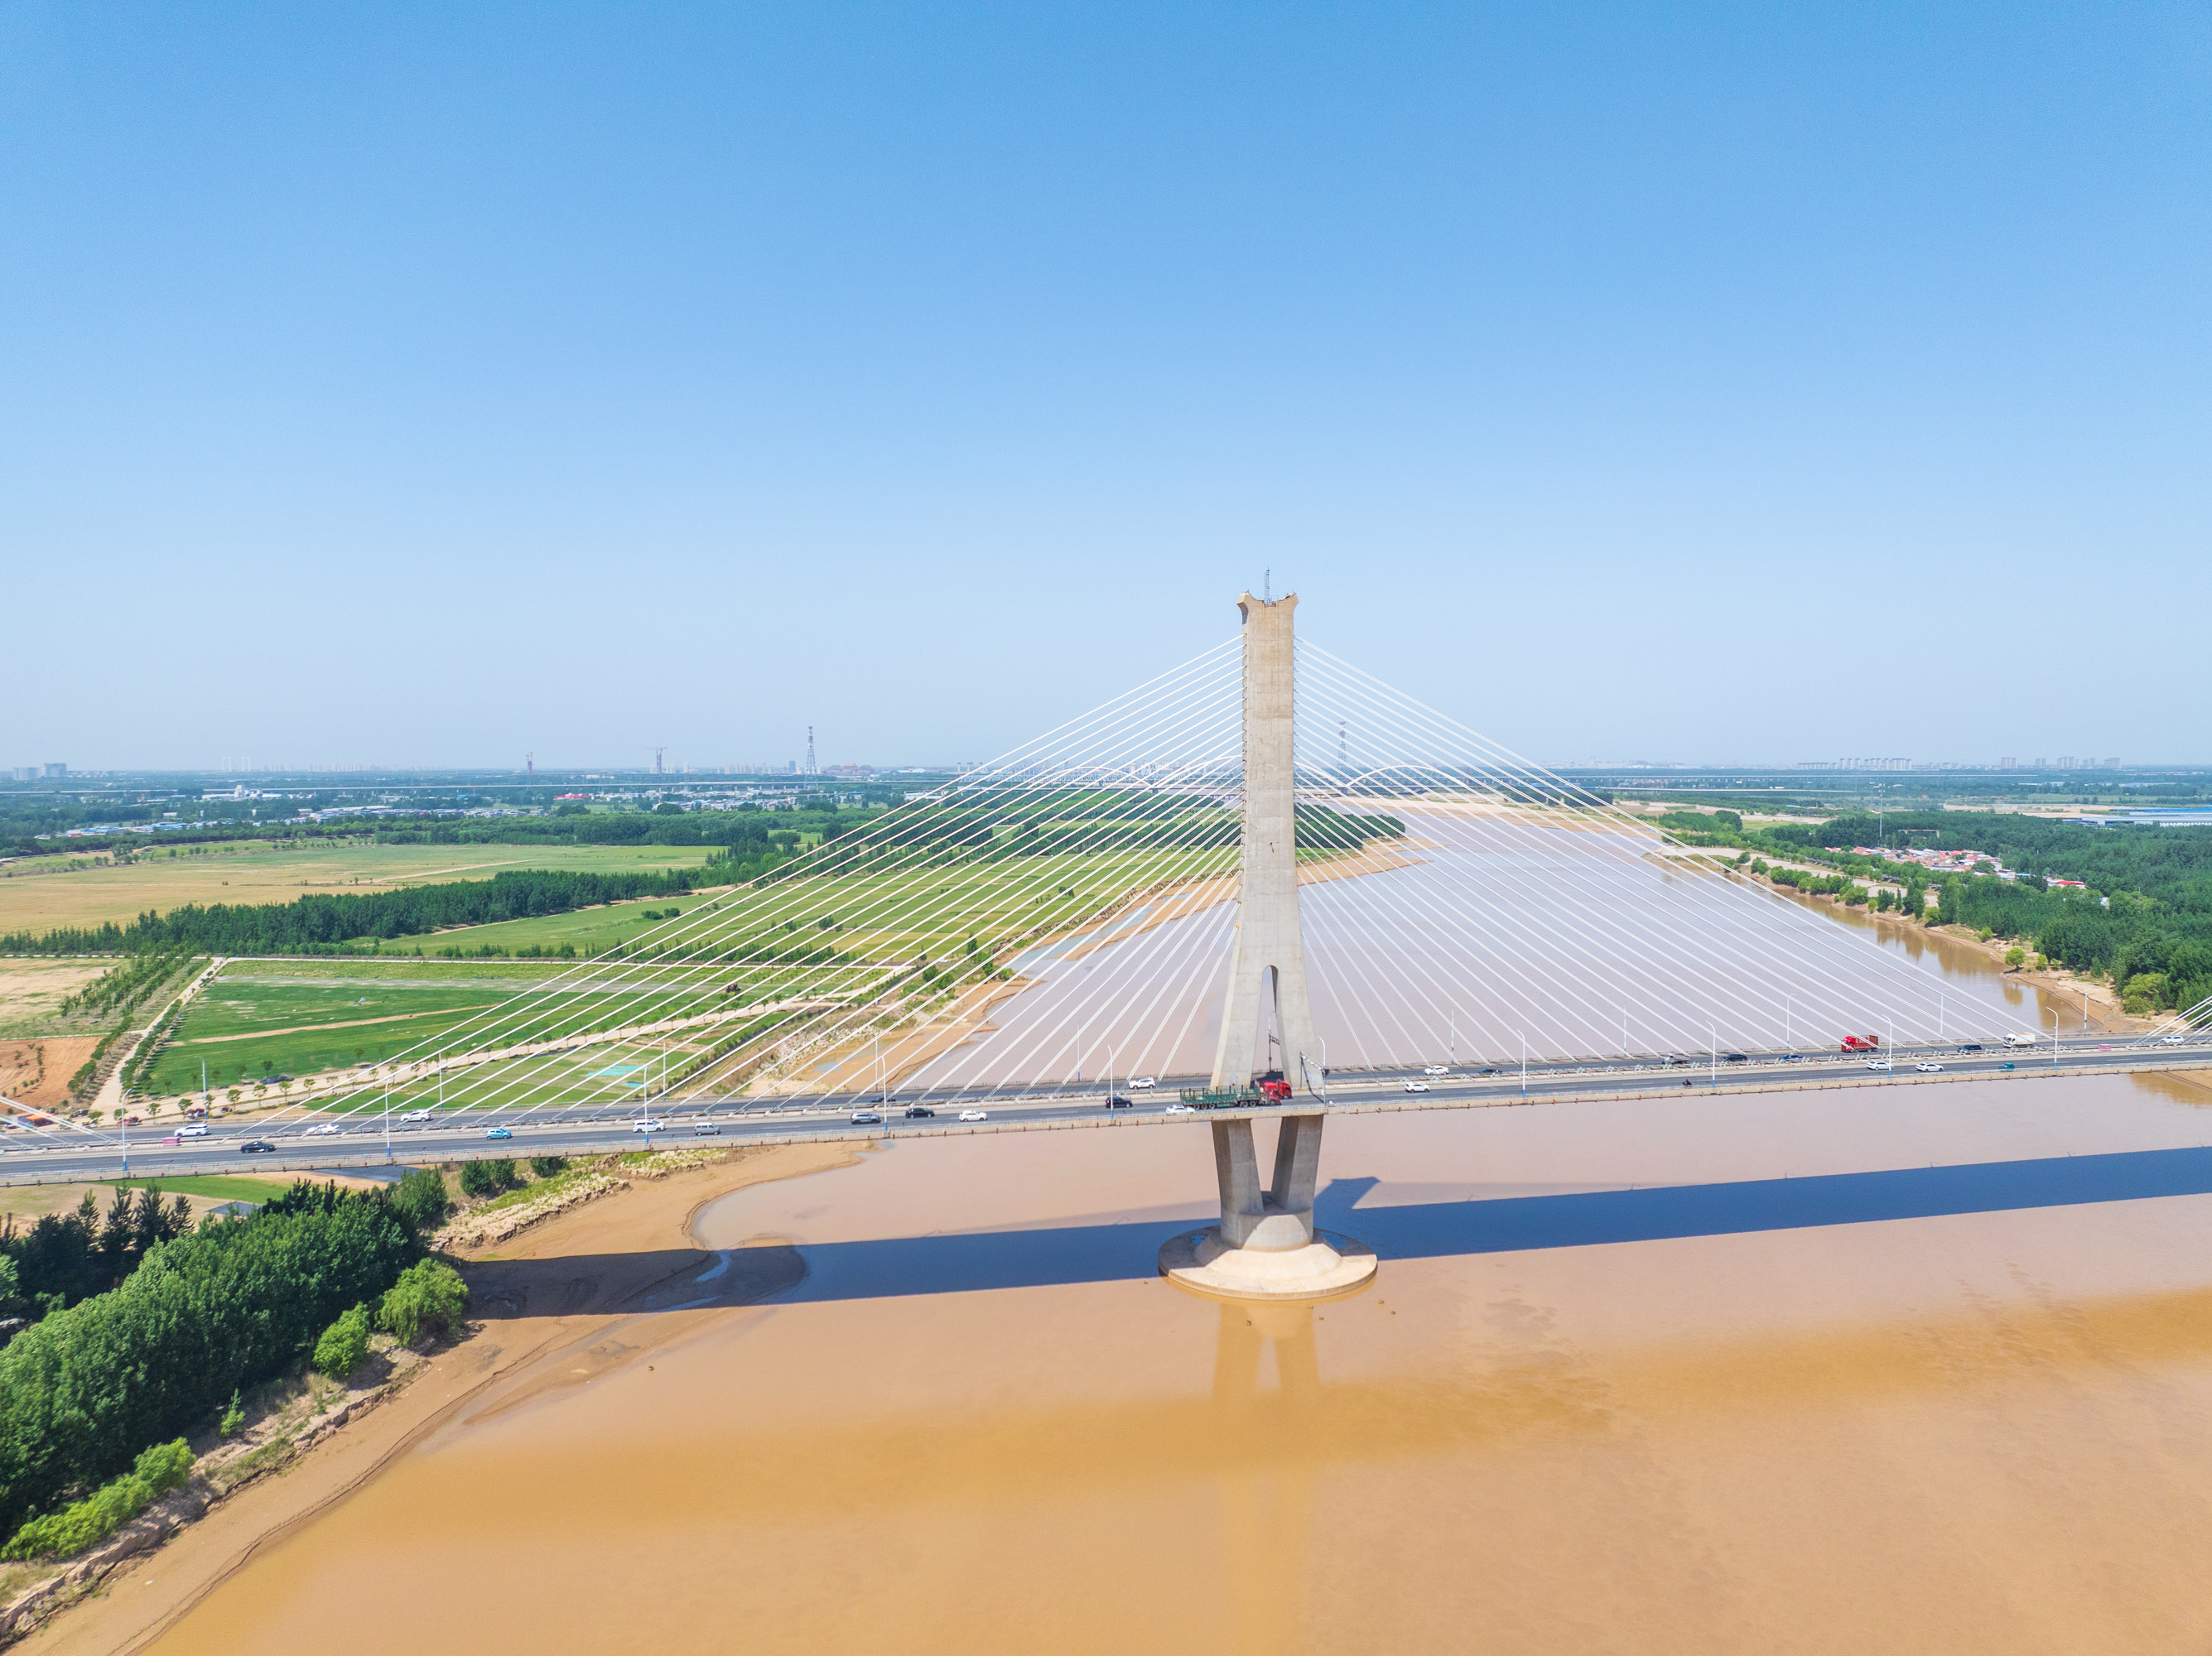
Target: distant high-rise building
(2007, 764)
(2042, 762)
(2112, 764)
(26, 773)
(2066, 761)
(57, 769)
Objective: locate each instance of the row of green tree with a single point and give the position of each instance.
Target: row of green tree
(61, 1258)
(2143, 915)
(321, 922)
(88, 1388)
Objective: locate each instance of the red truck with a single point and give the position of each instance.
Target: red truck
(1275, 1092)
(1860, 1043)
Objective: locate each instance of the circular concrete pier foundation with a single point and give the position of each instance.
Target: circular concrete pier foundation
(1324, 1268)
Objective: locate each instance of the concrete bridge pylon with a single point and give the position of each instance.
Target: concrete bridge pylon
(1265, 1245)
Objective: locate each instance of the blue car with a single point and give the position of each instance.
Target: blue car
(497, 1133)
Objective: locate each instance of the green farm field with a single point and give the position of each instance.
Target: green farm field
(297, 1017)
(43, 893)
(749, 959)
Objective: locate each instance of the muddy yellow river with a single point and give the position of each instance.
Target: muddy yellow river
(1900, 1370)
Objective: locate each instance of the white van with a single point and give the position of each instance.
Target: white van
(2022, 1038)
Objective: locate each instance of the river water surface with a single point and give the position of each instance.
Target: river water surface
(1893, 1368)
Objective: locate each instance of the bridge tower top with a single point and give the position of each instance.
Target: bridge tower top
(1266, 1023)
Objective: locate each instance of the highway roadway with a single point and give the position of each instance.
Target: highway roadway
(369, 1139)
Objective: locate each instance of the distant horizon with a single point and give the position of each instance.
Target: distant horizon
(333, 776)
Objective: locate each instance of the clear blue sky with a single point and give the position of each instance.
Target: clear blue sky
(428, 384)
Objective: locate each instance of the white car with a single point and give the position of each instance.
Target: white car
(974, 1115)
(1179, 1109)
(1877, 1064)
(1929, 1068)
(1417, 1086)
(1435, 1070)
(1143, 1083)
(417, 1115)
(2172, 1040)
(192, 1130)
(328, 1130)
(706, 1129)
(648, 1125)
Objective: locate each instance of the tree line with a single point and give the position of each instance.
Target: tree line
(323, 922)
(2142, 916)
(88, 1388)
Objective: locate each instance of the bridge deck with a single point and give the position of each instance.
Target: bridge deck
(97, 1156)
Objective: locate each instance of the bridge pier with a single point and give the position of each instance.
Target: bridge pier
(1266, 1245)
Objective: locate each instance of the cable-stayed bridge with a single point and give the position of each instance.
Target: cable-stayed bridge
(1262, 866)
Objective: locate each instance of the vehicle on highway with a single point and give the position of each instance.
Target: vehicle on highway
(498, 1132)
(2171, 1041)
(192, 1130)
(1970, 1046)
(1793, 1057)
(2009, 1064)
(1675, 1058)
(866, 1119)
(1860, 1043)
(274, 1081)
(974, 1115)
(1115, 1102)
(1929, 1068)
(413, 1116)
(326, 1130)
(646, 1124)
(1179, 1109)
(1435, 1070)
(1275, 1089)
(1736, 1058)
(919, 1113)
(1417, 1086)
(1143, 1084)
(1491, 1072)
(2023, 1038)
(1877, 1064)
(705, 1129)
(257, 1147)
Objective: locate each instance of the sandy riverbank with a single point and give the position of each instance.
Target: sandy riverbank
(548, 1311)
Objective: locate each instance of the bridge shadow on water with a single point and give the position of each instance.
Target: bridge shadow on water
(1064, 1255)
(1070, 1254)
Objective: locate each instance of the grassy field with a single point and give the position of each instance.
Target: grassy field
(297, 1017)
(32, 991)
(588, 930)
(42, 893)
(213, 1187)
(787, 951)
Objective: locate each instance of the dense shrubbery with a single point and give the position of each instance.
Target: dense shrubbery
(86, 1390)
(427, 1299)
(89, 1522)
(421, 1200)
(343, 1346)
(488, 1177)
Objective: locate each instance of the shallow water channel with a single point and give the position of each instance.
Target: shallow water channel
(1916, 1368)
